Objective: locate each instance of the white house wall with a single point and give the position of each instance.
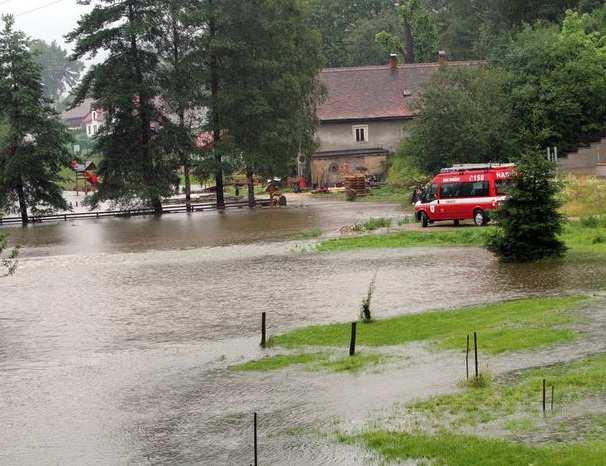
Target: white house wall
(381, 134)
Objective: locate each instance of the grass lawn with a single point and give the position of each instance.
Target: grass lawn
(585, 238)
(457, 450)
(313, 361)
(572, 381)
(509, 326)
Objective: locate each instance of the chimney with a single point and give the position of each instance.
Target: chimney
(442, 58)
(393, 62)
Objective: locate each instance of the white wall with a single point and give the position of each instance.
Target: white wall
(381, 134)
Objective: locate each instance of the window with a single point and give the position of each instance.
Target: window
(477, 189)
(360, 133)
(450, 190)
(430, 193)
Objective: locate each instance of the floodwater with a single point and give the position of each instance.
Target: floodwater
(116, 336)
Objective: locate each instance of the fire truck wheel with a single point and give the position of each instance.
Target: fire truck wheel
(479, 218)
(424, 220)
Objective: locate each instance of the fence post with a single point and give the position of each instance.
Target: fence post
(552, 393)
(263, 330)
(352, 344)
(255, 441)
(544, 396)
(475, 349)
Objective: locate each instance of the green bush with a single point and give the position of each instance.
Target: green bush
(376, 223)
(529, 220)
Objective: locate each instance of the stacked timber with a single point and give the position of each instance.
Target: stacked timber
(356, 184)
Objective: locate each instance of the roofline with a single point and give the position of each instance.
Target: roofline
(362, 120)
(403, 66)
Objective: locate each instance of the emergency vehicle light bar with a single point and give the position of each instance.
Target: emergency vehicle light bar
(476, 166)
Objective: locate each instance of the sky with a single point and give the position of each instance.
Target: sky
(45, 19)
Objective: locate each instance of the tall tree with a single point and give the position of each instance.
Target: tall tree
(181, 77)
(137, 167)
(465, 116)
(59, 73)
(269, 87)
(33, 144)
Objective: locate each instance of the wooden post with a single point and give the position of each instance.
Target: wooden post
(475, 349)
(467, 359)
(352, 344)
(552, 392)
(255, 442)
(544, 395)
(263, 330)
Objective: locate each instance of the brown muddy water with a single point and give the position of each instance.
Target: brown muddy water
(116, 336)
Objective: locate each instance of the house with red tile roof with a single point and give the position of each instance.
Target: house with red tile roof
(365, 116)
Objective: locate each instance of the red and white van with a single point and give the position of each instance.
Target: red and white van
(465, 192)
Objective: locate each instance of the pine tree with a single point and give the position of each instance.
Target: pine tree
(269, 87)
(529, 220)
(34, 141)
(137, 167)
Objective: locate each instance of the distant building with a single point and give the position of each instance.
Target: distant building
(366, 115)
(85, 117)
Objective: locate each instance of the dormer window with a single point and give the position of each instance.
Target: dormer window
(360, 133)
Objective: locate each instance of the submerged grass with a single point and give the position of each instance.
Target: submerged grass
(310, 233)
(509, 326)
(458, 450)
(313, 361)
(573, 382)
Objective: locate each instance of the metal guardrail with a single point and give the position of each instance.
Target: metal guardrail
(174, 209)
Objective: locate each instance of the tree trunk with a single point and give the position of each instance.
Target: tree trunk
(251, 188)
(187, 174)
(215, 124)
(409, 43)
(22, 205)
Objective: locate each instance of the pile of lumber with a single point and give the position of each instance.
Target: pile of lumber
(356, 184)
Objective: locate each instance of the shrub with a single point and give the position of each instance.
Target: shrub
(365, 313)
(529, 221)
(376, 223)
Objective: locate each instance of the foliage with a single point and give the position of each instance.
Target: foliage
(32, 139)
(8, 261)
(508, 326)
(365, 313)
(529, 222)
(136, 139)
(59, 73)
(376, 223)
(465, 115)
(557, 90)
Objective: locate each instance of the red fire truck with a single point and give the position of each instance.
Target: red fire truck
(464, 192)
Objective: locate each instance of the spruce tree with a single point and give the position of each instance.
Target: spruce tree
(33, 144)
(137, 167)
(529, 220)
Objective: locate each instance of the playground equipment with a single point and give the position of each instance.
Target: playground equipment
(86, 172)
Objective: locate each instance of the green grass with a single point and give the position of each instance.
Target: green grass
(509, 326)
(586, 239)
(376, 223)
(460, 237)
(389, 194)
(457, 450)
(572, 381)
(310, 233)
(313, 361)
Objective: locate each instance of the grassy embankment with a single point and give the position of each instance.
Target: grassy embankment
(509, 326)
(517, 407)
(585, 238)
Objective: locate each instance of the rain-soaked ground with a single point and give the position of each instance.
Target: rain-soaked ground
(116, 336)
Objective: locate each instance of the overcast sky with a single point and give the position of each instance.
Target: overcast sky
(44, 19)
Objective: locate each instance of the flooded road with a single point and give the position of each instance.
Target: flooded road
(116, 337)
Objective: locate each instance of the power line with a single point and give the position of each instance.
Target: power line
(37, 8)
